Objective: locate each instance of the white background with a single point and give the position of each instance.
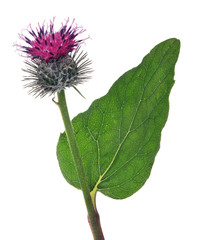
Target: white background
(36, 202)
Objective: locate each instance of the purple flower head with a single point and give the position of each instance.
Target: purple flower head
(54, 59)
(47, 44)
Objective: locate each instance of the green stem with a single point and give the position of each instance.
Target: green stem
(93, 216)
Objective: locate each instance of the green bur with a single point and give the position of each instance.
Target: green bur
(119, 135)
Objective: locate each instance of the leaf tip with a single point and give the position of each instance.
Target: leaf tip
(176, 42)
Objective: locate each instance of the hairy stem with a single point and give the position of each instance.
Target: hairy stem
(93, 216)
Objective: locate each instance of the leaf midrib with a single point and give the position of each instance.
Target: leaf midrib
(132, 157)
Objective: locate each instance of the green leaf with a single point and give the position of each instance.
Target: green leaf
(119, 135)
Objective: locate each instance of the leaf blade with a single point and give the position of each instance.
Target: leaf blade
(120, 132)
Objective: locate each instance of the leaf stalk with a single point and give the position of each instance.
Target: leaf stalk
(93, 216)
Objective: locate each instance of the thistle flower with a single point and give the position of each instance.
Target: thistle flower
(54, 58)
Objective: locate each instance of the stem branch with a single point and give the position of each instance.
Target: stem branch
(92, 212)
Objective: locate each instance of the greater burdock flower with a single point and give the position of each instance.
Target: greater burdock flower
(54, 59)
